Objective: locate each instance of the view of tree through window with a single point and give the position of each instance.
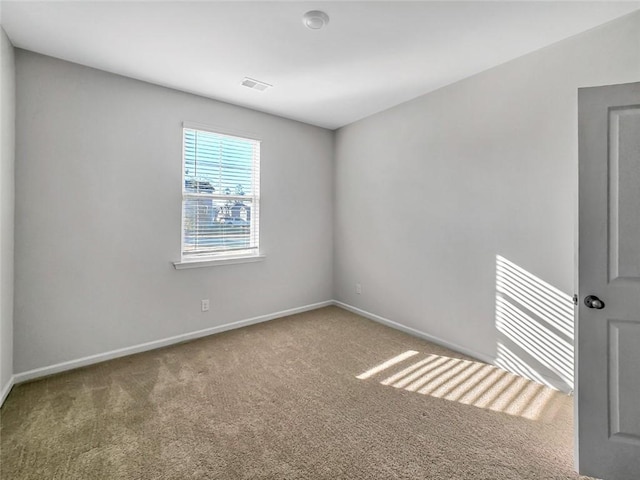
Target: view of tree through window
(220, 194)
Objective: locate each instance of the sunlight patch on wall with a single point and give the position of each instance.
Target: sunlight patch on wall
(535, 324)
(468, 382)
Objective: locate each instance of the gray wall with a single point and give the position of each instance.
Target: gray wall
(425, 197)
(7, 162)
(430, 192)
(98, 208)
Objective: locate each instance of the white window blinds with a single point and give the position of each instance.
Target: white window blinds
(220, 195)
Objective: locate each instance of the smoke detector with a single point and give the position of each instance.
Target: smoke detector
(255, 84)
(315, 19)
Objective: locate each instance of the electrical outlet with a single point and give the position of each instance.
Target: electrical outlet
(205, 305)
(358, 288)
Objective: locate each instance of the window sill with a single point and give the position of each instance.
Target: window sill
(215, 262)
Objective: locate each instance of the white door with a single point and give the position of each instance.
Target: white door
(608, 326)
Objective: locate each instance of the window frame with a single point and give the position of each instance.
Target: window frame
(224, 257)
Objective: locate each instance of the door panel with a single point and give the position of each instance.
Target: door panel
(624, 390)
(624, 201)
(608, 339)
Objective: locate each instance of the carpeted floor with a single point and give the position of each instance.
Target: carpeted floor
(320, 395)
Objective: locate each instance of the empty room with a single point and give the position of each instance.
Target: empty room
(319, 240)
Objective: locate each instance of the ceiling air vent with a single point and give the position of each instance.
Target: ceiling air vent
(255, 84)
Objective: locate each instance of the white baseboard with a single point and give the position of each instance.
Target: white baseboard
(6, 389)
(415, 333)
(550, 382)
(143, 347)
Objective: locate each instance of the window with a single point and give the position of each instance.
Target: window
(220, 196)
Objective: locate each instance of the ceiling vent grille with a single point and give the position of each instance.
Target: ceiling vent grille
(255, 84)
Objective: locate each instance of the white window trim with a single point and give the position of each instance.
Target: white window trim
(222, 130)
(215, 259)
(216, 262)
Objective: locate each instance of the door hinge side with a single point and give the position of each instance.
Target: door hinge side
(575, 299)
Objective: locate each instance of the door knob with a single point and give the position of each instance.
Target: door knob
(592, 301)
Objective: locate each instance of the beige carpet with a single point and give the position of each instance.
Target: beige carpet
(282, 400)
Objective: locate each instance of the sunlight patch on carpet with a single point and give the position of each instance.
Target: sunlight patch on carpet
(467, 382)
(389, 363)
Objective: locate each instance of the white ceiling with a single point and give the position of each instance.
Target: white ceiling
(371, 56)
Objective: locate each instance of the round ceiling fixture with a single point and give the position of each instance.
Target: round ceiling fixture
(315, 19)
